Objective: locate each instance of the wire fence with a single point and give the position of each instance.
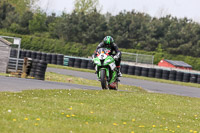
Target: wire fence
(137, 58)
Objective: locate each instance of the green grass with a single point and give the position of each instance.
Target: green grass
(87, 111)
(4, 74)
(101, 111)
(50, 76)
(132, 76)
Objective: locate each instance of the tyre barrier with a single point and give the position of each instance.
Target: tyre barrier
(90, 65)
(172, 75)
(131, 70)
(179, 76)
(165, 74)
(38, 55)
(71, 62)
(28, 54)
(198, 79)
(84, 64)
(60, 59)
(144, 72)
(13, 53)
(66, 61)
(152, 72)
(158, 73)
(77, 63)
(43, 56)
(33, 67)
(33, 55)
(138, 70)
(193, 78)
(22, 54)
(38, 69)
(54, 59)
(48, 58)
(186, 77)
(124, 69)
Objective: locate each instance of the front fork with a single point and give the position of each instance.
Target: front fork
(114, 74)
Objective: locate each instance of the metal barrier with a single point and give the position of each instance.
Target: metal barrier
(12, 64)
(17, 42)
(137, 58)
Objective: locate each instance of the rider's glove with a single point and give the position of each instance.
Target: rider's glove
(116, 57)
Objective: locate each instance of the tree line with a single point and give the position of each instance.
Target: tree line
(130, 30)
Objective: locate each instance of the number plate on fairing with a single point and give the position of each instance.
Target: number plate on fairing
(112, 66)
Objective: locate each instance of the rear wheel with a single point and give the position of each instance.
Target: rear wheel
(104, 81)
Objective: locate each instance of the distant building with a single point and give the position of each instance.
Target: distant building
(174, 64)
(4, 54)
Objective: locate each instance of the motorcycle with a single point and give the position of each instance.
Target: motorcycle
(106, 69)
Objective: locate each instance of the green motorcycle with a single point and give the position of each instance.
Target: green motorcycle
(106, 69)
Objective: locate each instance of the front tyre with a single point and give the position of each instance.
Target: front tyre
(104, 81)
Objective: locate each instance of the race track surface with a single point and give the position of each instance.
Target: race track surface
(147, 85)
(18, 84)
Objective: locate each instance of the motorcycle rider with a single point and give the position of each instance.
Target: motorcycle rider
(108, 42)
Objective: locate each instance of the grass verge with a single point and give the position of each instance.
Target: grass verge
(4, 74)
(87, 111)
(50, 76)
(131, 76)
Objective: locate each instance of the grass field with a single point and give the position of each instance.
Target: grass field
(61, 111)
(89, 111)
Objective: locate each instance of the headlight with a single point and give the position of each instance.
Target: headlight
(107, 61)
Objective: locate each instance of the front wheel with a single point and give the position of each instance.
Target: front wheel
(104, 81)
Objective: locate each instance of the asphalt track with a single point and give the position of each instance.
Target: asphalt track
(13, 84)
(17, 84)
(147, 85)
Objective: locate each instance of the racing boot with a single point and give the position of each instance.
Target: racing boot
(119, 74)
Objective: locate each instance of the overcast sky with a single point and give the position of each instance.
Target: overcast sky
(158, 8)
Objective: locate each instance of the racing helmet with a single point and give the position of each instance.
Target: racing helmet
(108, 40)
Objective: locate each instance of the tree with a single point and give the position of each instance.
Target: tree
(86, 6)
(22, 5)
(8, 14)
(38, 23)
